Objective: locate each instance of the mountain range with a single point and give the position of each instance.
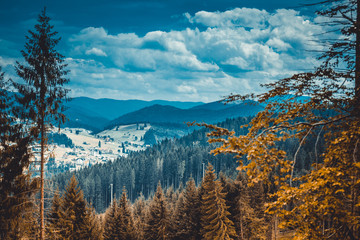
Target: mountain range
(209, 113)
(96, 114)
(99, 114)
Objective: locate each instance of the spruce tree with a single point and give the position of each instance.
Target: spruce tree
(177, 223)
(214, 212)
(42, 94)
(171, 198)
(187, 213)
(140, 210)
(57, 219)
(158, 217)
(91, 229)
(78, 218)
(247, 207)
(109, 224)
(16, 188)
(54, 217)
(124, 220)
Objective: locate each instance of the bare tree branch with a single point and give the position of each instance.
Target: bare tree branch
(347, 17)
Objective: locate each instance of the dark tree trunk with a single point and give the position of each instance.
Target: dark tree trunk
(357, 61)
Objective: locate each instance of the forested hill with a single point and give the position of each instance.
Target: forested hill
(172, 162)
(209, 113)
(95, 114)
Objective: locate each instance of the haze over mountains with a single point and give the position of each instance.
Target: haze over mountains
(99, 114)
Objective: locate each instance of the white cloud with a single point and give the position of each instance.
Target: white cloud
(238, 50)
(4, 61)
(186, 89)
(96, 52)
(240, 17)
(278, 44)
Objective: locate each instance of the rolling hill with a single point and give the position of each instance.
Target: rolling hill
(209, 113)
(95, 114)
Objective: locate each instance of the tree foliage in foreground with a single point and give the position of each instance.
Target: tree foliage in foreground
(42, 93)
(187, 219)
(322, 203)
(109, 221)
(71, 217)
(16, 188)
(193, 212)
(247, 207)
(157, 225)
(123, 224)
(214, 212)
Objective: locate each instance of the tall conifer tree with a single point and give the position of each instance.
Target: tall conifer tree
(15, 185)
(177, 223)
(187, 214)
(247, 207)
(124, 220)
(109, 224)
(140, 209)
(42, 94)
(57, 220)
(78, 219)
(214, 213)
(92, 229)
(158, 219)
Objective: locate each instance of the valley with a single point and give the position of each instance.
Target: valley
(88, 149)
(93, 136)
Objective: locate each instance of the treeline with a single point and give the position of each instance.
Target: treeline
(219, 208)
(172, 163)
(60, 139)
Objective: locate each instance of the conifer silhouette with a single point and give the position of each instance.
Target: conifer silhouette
(124, 220)
(109, 224)
(214, 213)
(42, 94)
(158, 217)
(16, 188)
(76, 218)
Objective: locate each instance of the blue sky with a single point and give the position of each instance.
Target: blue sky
(173, 50)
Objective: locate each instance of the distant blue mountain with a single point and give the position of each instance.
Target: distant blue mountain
(209, 113)
(212, 106)
(84, 118)
(95, 114)
(111, 108)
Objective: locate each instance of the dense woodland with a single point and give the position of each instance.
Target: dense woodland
(292, 171)
(172, 163)
(191, 212)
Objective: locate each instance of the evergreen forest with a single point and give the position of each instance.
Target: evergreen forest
(171, 162)
(290, 171)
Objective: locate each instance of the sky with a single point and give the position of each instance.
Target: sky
(198, 50)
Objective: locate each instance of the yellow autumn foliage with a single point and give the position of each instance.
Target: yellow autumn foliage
(324, 202)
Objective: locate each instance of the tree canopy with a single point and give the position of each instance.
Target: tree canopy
(42, 94)
(16, 187)
(323, 202)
